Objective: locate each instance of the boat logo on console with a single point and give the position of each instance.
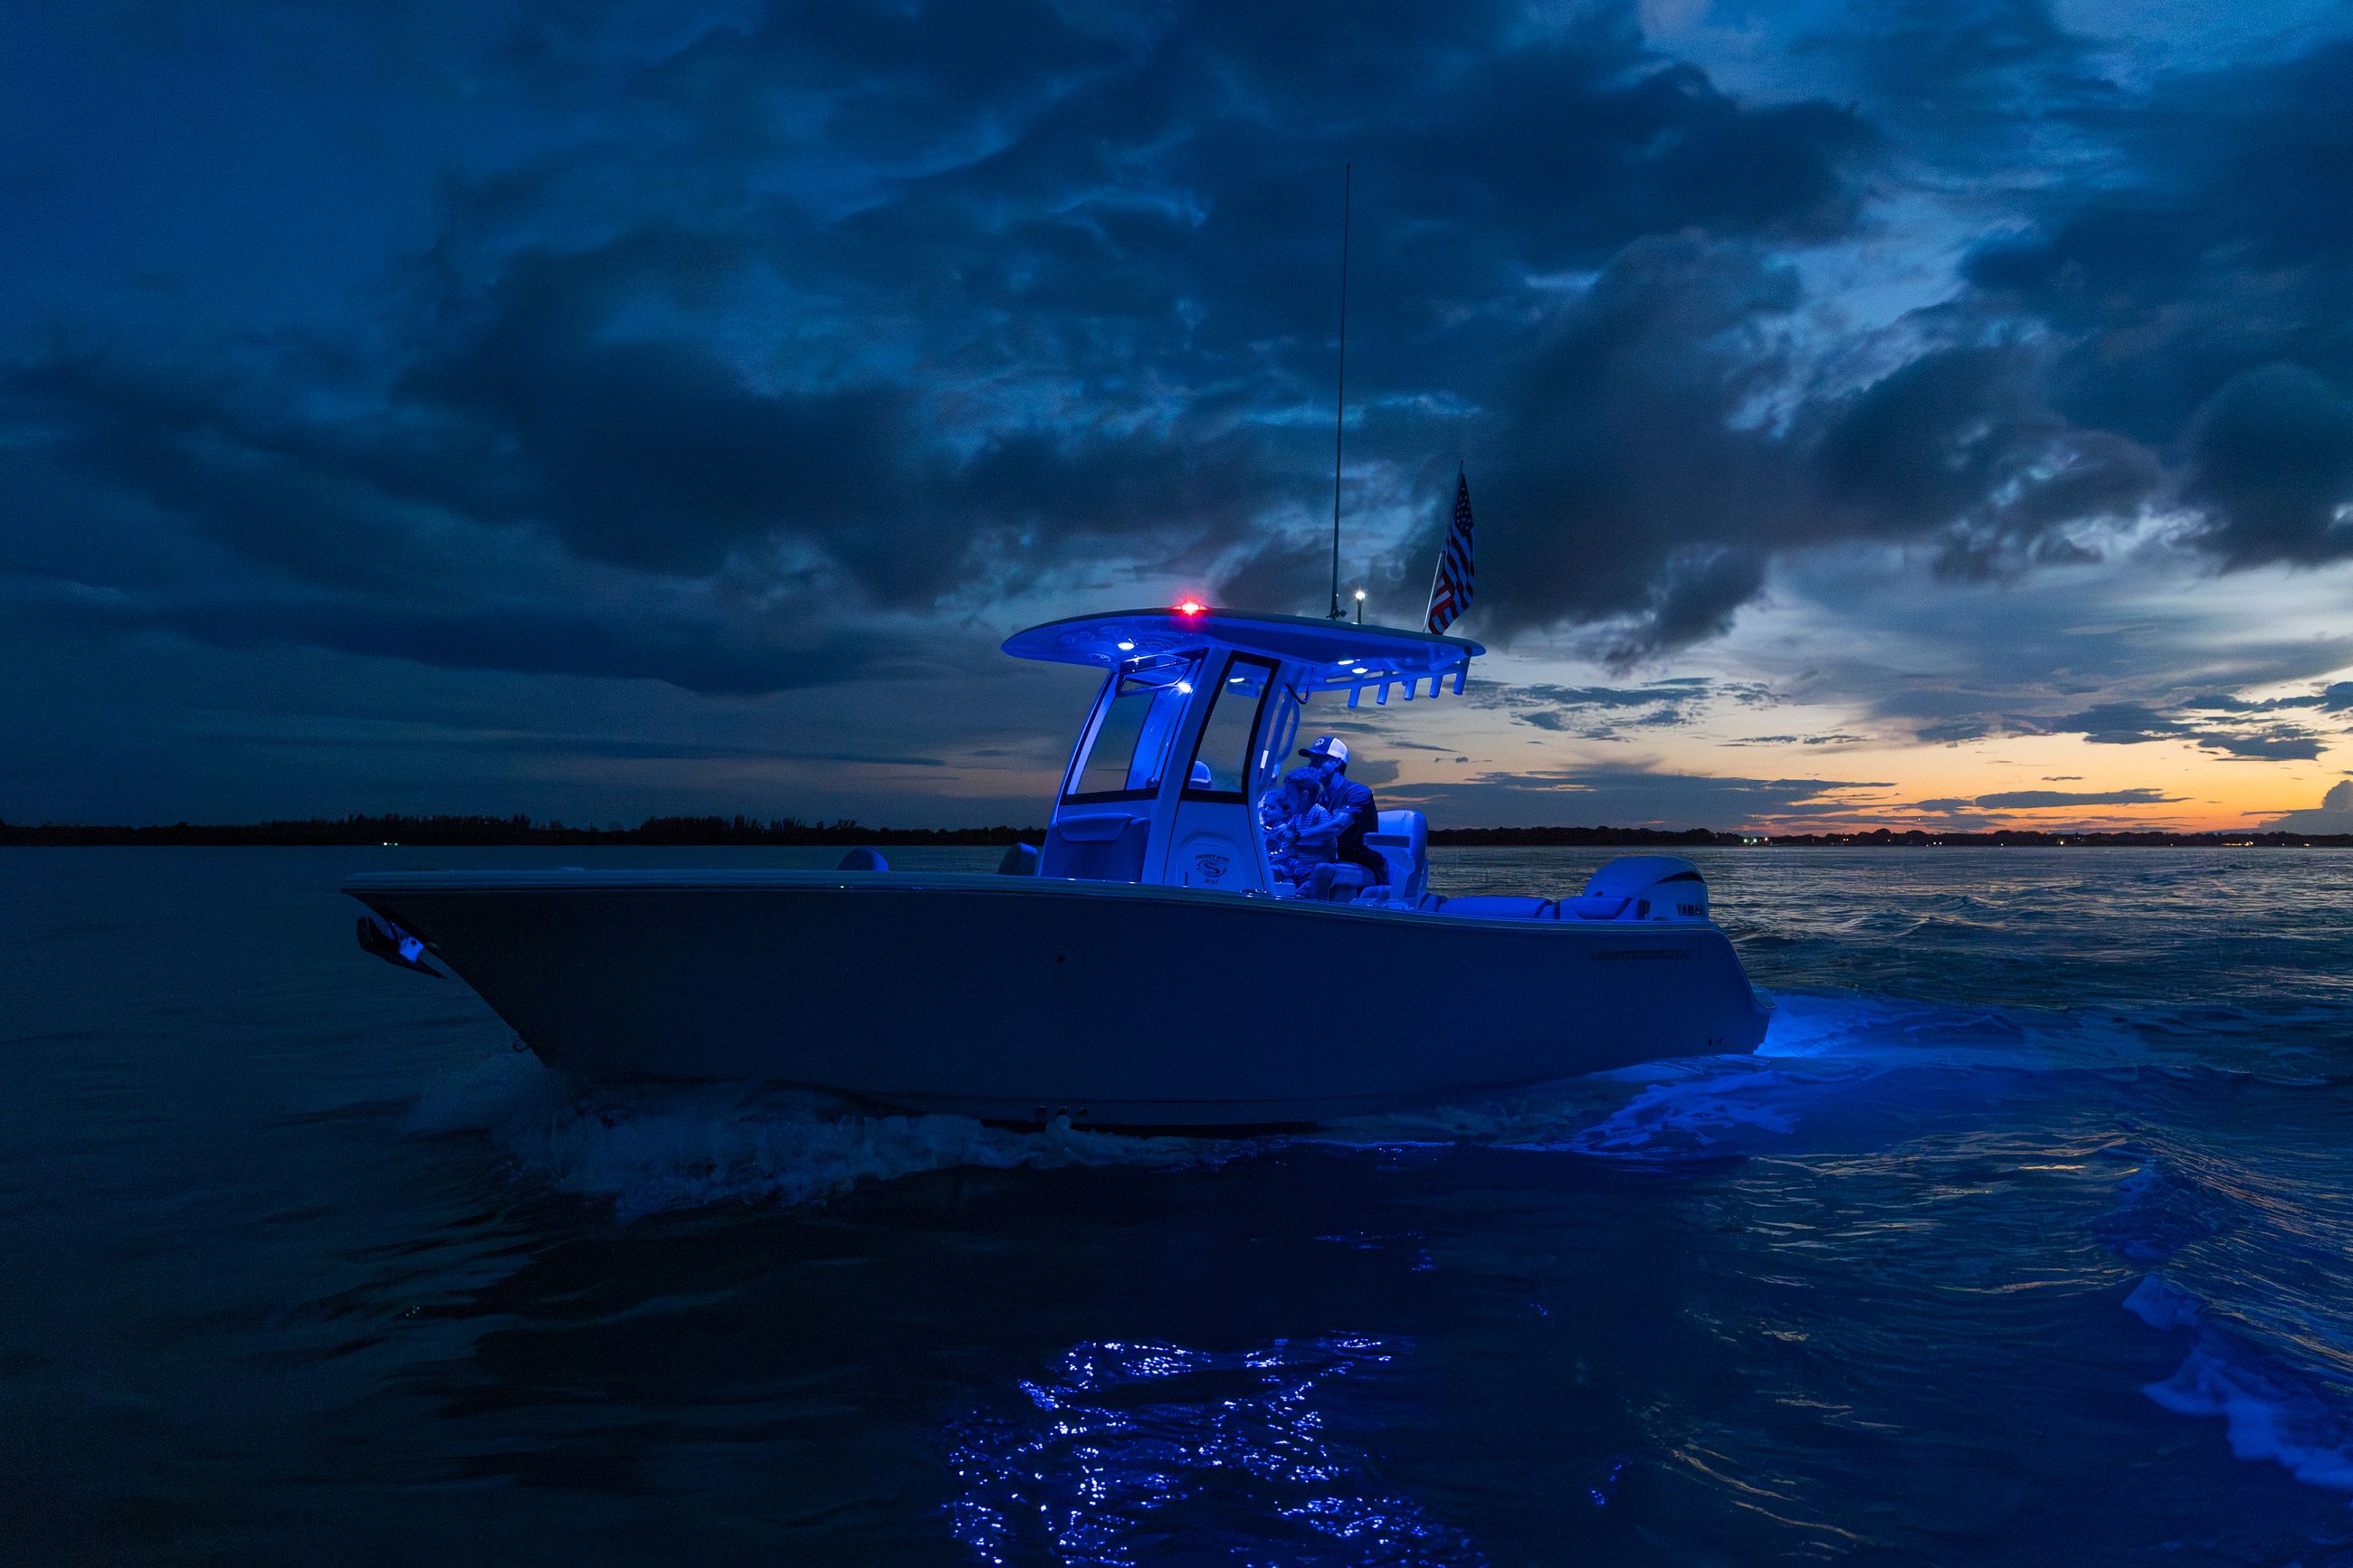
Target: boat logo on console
(1212, 866)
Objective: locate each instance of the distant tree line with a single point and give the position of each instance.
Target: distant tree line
(1913, 838)
(453, 831)
(713, 832)
(1884, 837)
(1502, 838)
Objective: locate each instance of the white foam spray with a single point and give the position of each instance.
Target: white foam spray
(646, 1148)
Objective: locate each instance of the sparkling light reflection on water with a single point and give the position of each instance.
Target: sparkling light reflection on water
(1119, 1445)
(2025, 1240)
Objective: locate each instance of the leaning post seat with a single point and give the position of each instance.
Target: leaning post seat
(1402, 841)
(1340, 881)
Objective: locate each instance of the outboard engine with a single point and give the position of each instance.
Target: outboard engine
(1658, 887)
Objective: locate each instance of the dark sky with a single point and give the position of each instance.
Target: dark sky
(1892, 412)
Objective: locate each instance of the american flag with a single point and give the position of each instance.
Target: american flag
(1449, 591)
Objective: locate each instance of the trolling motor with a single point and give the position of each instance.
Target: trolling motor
(395, 946)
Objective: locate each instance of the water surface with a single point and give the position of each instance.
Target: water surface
(2024, 1241)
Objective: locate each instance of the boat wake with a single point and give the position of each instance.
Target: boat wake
(646, 1149)
(2270, 1411)
(2288, 1399)
(1839, 1075)
(650, 1148)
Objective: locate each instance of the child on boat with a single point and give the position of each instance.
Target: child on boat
(1286, 811)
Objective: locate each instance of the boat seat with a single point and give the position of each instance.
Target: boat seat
(1402, 842)
(1339, 880)
(1591, 907)
(1494, 906)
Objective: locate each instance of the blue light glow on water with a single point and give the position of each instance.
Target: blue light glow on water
(2024, 1240)
(1117, 1447)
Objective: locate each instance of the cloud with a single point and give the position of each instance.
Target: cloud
(2216, 703)
(2137, 723)
(657, 454)
(1693, 602)
(2333, 814)
(1838, 738)
(1632, 496)
(2283, 744)
(745, 352)
(1635, 796)
(2046, 799)
(2193, 302)
(2272, 466)
(2118, 724)
(1672, 693)
(1038, 297)
(1083, 339)
(1599, 712)
(1968, 82)
(1958, 445)
(531, 639)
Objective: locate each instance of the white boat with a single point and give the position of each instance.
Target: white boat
(1150, 971)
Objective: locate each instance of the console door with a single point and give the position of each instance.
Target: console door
(1215, 842)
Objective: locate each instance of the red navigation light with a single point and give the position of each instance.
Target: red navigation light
(1191, 608)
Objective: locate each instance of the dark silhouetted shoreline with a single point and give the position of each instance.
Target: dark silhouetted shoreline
(725, 832)
(500, 831)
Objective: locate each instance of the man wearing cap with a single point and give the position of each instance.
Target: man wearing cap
(1354, 812)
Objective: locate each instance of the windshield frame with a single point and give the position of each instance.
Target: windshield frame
(1172, 678)
(1270, 673)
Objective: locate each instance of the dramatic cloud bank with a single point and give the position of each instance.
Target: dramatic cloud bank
(751, 369)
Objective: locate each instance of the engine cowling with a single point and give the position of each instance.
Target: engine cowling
(1656, 887)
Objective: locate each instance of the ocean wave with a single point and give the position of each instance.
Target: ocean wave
(2272, 1408)
(2155, 1216)
(2286, 1044)
(1707, 1108)
(2269, 1410)
(1889, 1031)
(648, 1147)
(2161, 1304)
(1701, 1115)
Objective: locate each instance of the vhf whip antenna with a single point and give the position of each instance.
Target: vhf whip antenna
(1340, 386)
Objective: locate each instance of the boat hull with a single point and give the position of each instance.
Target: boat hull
(1027, 999)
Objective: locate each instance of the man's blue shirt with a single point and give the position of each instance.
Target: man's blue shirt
(1354, 800)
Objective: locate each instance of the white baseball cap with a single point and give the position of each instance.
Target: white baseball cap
(1329, 746)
